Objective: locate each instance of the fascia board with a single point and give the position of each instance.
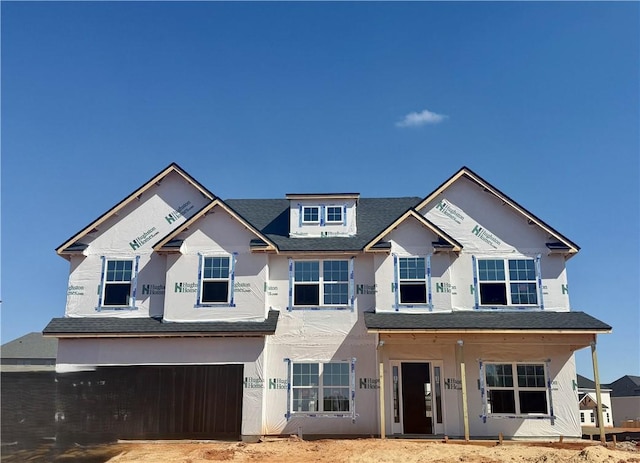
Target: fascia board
(468, 173)
(457, 247)
(216, 202)
(477, 331)
(173, 167)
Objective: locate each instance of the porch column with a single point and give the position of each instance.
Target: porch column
(463, 378)
(596, 379)
(382, 423)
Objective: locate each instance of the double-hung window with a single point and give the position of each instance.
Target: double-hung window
(321, 283)
(507, 282)
(321, 387)
(311, 214)
(516, 388)
(412, 280)
(334, 214)
(215, 287)
(117, 287)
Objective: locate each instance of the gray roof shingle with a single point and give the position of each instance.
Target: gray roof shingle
(151, 326)
(271, 217)
(30, 346)
(474, 320)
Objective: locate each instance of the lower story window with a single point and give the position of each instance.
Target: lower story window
(321, 387)
(516, 388)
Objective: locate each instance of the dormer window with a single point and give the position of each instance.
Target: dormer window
(322, 215)
(334, 214)
(311, 214)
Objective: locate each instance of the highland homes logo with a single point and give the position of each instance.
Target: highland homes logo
(144, 238)
(450, 211)
(486, 236)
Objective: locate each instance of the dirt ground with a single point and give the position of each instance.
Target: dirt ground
(293, 450)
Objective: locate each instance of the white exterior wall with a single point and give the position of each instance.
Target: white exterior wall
(217, 233)
(320, 336)
(298, 229)
(130, 233)
(465, 207)
(442, 350)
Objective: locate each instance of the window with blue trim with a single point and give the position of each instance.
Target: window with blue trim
(512, 284)
(516, 388)
(310, 214)
(117, 283)
(321, 283)
(215, 280)
(334, 214)
(321, 387)
(412, 280)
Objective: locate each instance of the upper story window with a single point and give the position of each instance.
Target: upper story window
(317, 283)
(412, 280)
(118, 282)
(215, 280)
(516, 388)
(311, 214)
(507, 282)
(334, 214)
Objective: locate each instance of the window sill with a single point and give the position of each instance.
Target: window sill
(320, 307)
(521, 416)
(104, 308)
(345, 414)
(213, 305)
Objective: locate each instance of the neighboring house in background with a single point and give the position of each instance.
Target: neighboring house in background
(31, 352)
(28, 392)
(588, 402)
(625, 399)
(322, 314)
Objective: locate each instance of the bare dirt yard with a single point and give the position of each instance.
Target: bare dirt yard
(290, 450)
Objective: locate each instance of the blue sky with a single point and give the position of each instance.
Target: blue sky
(261, 99)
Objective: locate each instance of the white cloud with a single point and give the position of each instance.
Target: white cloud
(424, 117)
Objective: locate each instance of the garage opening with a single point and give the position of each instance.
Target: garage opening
(150, 402)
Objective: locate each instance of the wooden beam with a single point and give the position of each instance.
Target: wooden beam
(382, 423)
(596, 379)
(463, 379)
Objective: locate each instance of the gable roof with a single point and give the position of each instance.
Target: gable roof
(564, 244)
(271, 217)
(167, 240)
(30, 346)
(152, 327)
(626, 386)
(470, 321)
(455, 246)
(585, 383)
(72, 243)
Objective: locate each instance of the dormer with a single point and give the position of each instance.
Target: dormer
(322, 214)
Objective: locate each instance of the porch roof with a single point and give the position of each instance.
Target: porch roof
(480, 321)
(151, 327)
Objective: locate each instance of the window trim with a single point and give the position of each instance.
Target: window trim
(351, 413)
(398, 304)
(537, 281)
(310, 222)
(516, 389)
(350, 303)
(201, 280)
(135, 260)
(334, 222)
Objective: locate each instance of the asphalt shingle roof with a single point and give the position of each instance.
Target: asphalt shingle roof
(30, 346)
(474, 320)
(152, 326)
(271, 217)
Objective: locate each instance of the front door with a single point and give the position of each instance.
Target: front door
(416, 398)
